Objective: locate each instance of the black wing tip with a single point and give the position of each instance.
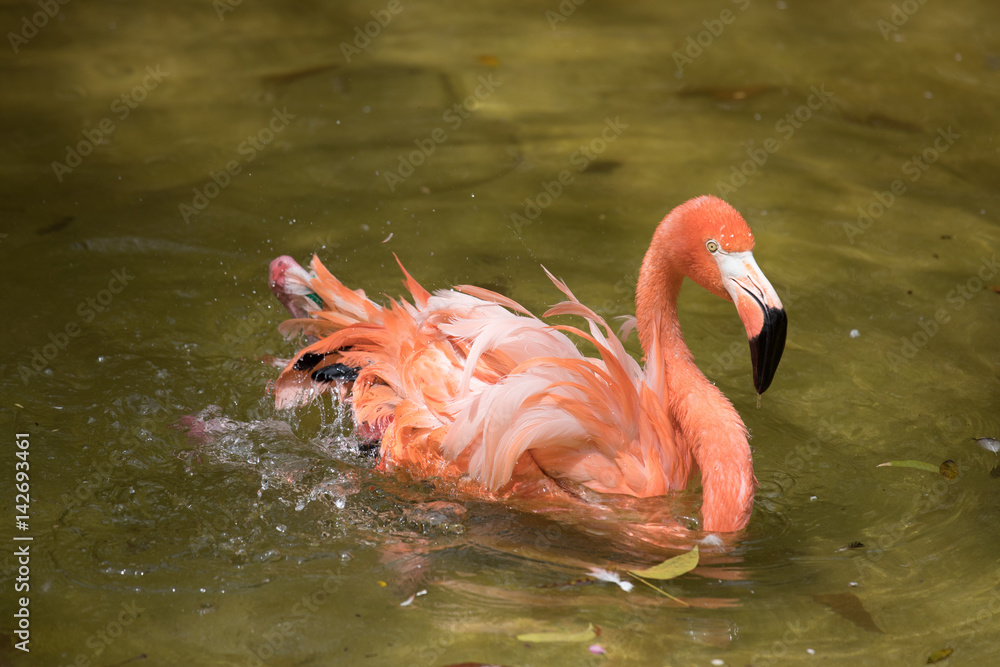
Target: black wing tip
(336, 373)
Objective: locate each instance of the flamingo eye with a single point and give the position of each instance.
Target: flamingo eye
(713, 246)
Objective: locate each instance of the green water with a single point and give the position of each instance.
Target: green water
(136, 291)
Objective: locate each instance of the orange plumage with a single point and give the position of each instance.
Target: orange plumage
(466, 385)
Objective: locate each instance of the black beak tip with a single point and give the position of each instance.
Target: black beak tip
(767, 346)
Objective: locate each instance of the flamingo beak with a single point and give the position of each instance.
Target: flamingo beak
(760, 310)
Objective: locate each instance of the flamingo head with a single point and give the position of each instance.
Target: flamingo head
(712, 244)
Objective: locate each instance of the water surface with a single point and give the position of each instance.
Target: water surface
(859, 143)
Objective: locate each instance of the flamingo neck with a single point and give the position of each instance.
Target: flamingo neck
(656, 295)
(709, 429)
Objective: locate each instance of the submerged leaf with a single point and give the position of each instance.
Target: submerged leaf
(938, 656)
(919, 465)
(670, 568)
(541, 637)
(849, 606)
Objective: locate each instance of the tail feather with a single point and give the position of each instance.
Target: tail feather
(469, 381)
(420, 295)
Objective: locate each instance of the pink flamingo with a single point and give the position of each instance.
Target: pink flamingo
(465, 386)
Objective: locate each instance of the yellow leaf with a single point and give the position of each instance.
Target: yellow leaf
(538, 637)
(670, 568)
(938, 656)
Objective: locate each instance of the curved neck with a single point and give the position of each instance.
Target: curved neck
(710, 429)
(656, 294)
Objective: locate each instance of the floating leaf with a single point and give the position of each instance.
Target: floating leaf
(949, 469)
(670, 568)
(542, 637)
(849, 606)
(919, 465)
(938, 656)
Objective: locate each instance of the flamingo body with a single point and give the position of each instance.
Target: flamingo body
(466, 385)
